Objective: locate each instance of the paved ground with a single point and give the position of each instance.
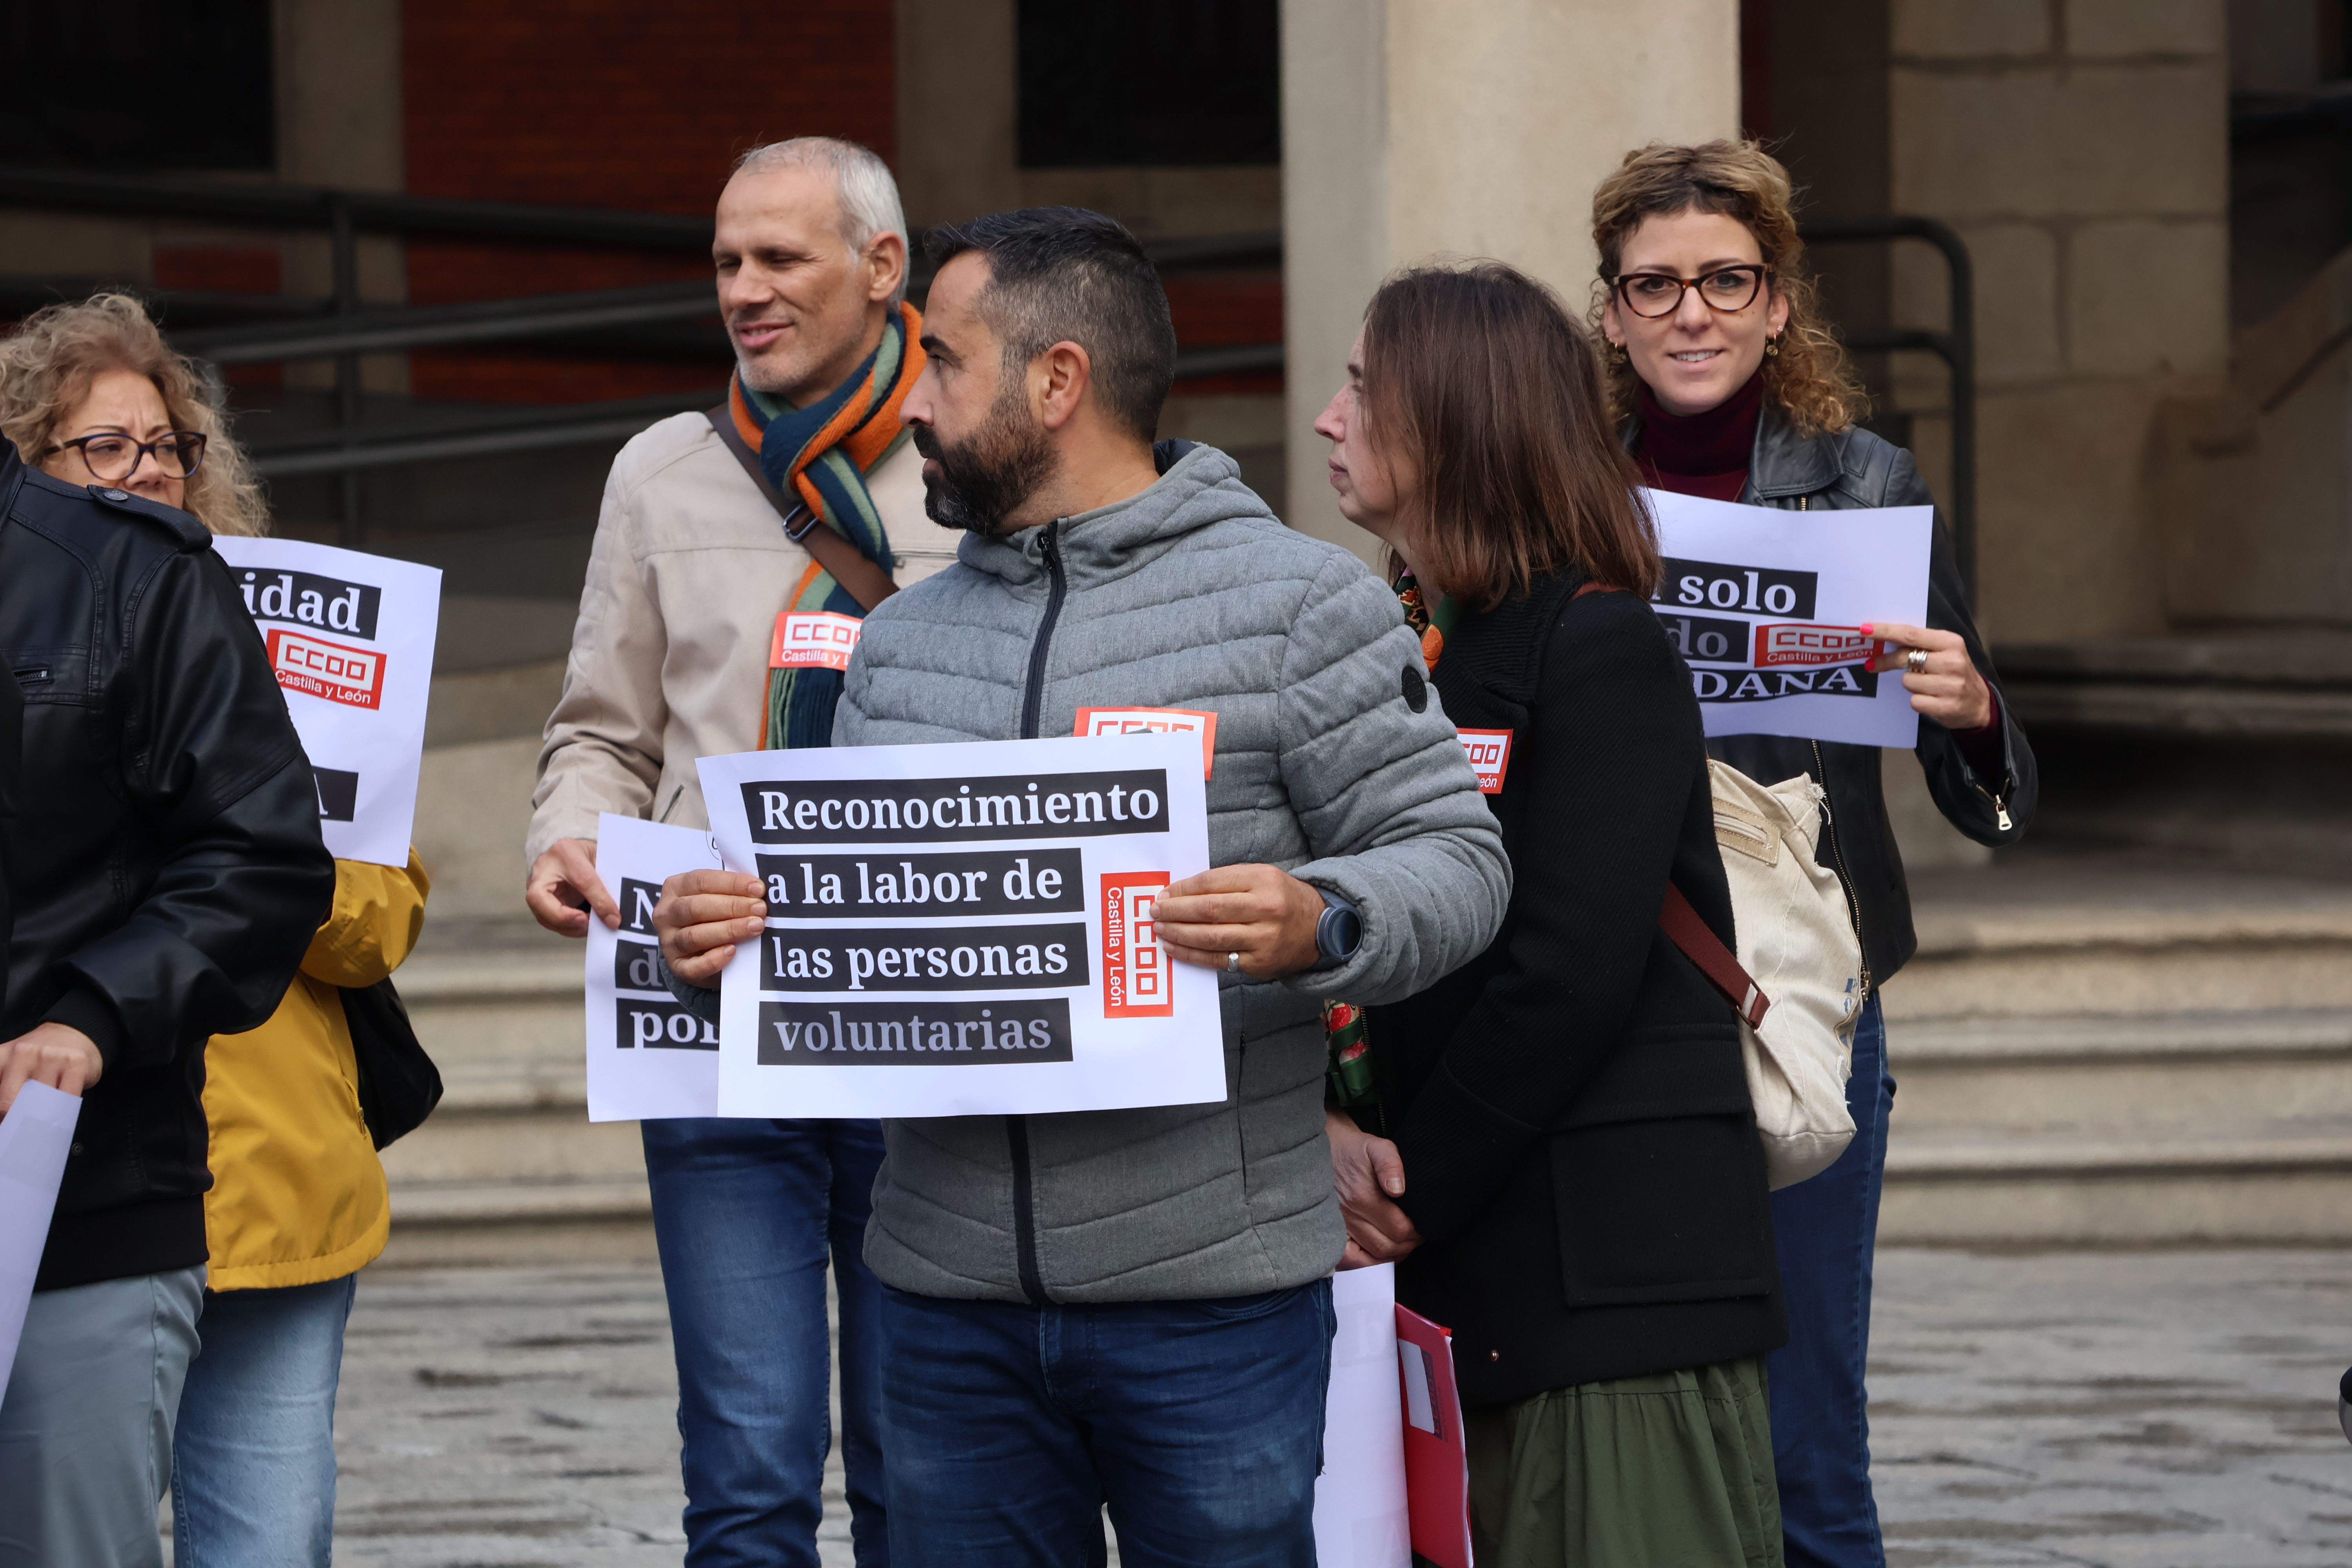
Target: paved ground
(2127, 1410)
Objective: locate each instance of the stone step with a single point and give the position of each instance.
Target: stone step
(2121, 934)
(2121, 1071)
(498, 1003)
(2276, 1182)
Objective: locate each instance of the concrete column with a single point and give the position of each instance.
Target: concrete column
(959, 106)
(1418, 129)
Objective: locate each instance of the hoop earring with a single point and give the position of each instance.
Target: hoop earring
(1773, 346)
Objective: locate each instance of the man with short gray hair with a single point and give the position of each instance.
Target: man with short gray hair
(799, 494)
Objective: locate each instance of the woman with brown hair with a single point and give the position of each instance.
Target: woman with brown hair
(1728, 384)
(1574, 1184)
(92, 395)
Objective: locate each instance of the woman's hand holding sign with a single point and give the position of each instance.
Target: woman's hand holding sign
(1262, 913)
(702, 916)
(1944, 685)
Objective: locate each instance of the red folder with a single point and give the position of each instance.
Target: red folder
(1436, 1457)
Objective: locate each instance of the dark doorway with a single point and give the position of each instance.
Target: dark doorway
(1169, 82)
(139, 85)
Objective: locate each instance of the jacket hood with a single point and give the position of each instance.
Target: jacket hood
(1200, 487)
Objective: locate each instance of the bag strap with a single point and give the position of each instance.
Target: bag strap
(866, 583)
(1696, 938)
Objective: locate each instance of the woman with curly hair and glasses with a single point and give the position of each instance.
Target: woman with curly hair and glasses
(92, 395)
(1728, 384)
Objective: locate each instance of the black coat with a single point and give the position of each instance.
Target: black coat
(1835, 472)
(1580, 1149)
(169, 873)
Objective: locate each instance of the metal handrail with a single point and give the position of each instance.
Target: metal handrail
(1955, 346)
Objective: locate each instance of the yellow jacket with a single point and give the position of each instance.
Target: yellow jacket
(297, 1192)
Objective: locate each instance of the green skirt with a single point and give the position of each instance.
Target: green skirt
(1672, 1470)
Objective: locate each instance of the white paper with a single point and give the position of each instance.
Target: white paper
(350, 640)
(648, 1057)
(1038, 982)
(1804, 580)
(1361, 1518)
(35, 1137)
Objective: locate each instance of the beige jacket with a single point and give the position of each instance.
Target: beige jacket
(670, 657)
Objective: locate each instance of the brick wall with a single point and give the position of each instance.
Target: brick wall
(2081, 147)
(611, 103)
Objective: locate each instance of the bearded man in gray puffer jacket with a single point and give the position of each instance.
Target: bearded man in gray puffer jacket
(1134, 1306)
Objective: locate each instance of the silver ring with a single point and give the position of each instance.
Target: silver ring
(1916, 661)
(1233, 963)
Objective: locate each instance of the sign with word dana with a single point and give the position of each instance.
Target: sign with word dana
(647, 1056)
(964, 929)
(349, 637)
(1765, 607)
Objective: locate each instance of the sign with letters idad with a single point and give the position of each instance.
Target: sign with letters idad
(647, 1056)
(964, 929)
(349, 637)
(1766, 606)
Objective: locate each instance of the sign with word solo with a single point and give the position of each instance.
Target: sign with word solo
(1767, 608)
(964, 929)
(647, 1056)
(349, 637)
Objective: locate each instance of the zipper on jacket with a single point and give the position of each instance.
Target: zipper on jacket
(1837, 863)
(1016, 1128)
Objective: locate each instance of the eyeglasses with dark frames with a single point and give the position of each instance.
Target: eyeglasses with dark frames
(1656, 295)
(112, 458)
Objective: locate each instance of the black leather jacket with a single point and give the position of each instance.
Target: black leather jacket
(1837, 472)
(169, 873)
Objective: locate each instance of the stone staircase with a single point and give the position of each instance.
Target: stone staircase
(511, 1149)
(2112, 1048)
(2093, 1046)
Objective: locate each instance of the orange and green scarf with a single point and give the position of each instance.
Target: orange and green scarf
(820, 456)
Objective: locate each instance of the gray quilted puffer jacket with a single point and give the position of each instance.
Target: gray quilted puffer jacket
(1334, 761)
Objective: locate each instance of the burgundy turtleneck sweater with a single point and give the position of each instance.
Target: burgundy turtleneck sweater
(1708, 454)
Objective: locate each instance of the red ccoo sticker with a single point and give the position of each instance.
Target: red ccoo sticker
(1489, 751)
(329, 670)
(1793, 642)
(1154, 722)
(813, 640)
(1136, 980)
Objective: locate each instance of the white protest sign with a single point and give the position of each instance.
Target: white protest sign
(35, 1137)
(1765, 607)
(964, 929)
(1360, 1515)
(349, 637)
(647, 1056)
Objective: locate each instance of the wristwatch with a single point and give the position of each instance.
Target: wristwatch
(1339, 930)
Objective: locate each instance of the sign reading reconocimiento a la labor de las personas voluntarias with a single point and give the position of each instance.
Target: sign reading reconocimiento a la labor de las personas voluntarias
(961, 929)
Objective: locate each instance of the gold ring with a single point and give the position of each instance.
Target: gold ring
(1916, 661)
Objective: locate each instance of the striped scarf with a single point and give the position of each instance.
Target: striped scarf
(821, 456)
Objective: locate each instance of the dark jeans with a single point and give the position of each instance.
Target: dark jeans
(745, 1212)
(1828, 1229)
(1200, 1423)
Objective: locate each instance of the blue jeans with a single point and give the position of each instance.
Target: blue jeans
(1200, 1423)
(1828, 1231)
(86, 1429)
(746, 1212)
(253, 1461)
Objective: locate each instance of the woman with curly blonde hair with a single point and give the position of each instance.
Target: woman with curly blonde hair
(92, 395)
(1729, 385)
